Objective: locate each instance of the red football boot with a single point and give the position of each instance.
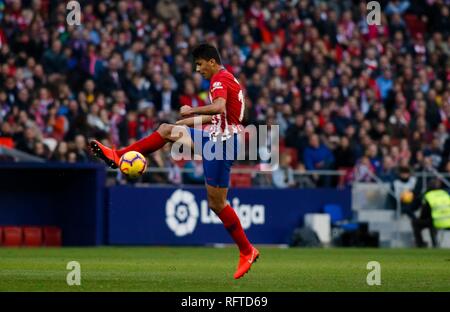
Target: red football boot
(245, 262)
(108, 155)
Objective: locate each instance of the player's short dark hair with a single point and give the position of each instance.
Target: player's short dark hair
(206, 52)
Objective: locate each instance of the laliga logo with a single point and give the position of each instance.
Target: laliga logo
(182, 213)
(248, 214)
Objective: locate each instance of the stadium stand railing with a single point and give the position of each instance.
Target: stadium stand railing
(16, 155)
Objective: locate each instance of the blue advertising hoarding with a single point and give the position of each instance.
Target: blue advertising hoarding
(180, 216)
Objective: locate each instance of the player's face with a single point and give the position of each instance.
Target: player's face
(204, 67)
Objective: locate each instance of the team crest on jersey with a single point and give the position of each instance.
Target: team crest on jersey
(216, 85)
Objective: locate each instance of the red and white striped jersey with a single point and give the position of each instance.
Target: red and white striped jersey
(223, 84)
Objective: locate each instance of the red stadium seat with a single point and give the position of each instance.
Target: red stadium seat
(12, 236)
(8, 142)
(52, 236)
(1, 236)
(180, 163)
(32, 236)
(241, 180)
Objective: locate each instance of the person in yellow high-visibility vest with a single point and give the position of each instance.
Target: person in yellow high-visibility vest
(435, 213)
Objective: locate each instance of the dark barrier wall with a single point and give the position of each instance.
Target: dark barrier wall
(160, 216)
(69, 196)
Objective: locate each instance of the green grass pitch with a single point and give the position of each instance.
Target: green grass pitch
(211, 269)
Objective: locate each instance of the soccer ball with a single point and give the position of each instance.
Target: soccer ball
(132, 164)
(407, 197)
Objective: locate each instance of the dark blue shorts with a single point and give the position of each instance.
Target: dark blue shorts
(218, 157)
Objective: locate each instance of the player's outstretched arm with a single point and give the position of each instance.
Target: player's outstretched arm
(202, 119)
(217, 107)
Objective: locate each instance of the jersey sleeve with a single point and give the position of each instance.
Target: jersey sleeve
(218, 89)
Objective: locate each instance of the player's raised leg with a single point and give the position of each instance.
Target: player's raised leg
(248, 254)
(165, 133)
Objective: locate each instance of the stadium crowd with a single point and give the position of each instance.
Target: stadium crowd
(345, 94)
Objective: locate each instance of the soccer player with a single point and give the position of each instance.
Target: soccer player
(223, 116)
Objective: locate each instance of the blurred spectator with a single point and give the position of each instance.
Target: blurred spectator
(294, 134)
(364, 170)
(61, 152)
(283, 177)
(434, 212)
(373, 155)
(41, 150)
(155, 161)
(98, 121)
(397, 6)
(387, 173)
(166, 101)
(80, 149)
(27, 142)
(302, 179)
(72, 157)
(404, 182)
(434, 152)
(318, 157)
(174, 175)
(54, 61)
(385, 83)
(168, 9)
(195, 177)
(112, 77)
(344, 155)
(189, 97)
